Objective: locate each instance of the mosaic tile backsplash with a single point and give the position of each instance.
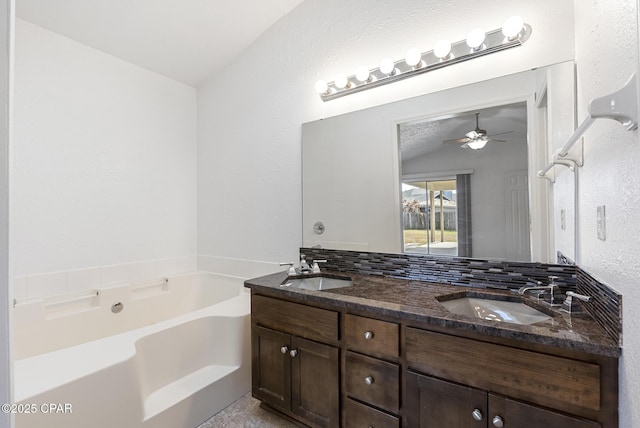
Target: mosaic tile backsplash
(444, 270)
(605, 307)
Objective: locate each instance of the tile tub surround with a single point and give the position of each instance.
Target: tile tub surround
(412, 300)
(605, 308)
(27, 287)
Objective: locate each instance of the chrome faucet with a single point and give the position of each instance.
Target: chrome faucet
(304, 266)
(551, 288)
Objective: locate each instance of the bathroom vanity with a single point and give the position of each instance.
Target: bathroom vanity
(386, 353)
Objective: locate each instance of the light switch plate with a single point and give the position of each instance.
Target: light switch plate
(602, 230)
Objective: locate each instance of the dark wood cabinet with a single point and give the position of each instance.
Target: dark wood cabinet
(315, 382)
(295, 375)
(328, 367)
(271, 367)
(434, 402)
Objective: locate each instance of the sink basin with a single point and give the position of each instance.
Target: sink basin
(317, 283)
(495, 310)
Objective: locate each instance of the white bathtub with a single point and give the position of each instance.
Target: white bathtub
(177, 353)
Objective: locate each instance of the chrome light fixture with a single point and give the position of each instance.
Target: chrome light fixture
(515, 32)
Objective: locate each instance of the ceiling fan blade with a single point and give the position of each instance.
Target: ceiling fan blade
(457, 141)
(499, 141)
(501, 133)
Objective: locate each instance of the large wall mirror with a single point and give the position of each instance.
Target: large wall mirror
(409, 176)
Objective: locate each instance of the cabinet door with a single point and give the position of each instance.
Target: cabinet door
(515, 414)
(434, 403)
(315, 382)
(271, 367)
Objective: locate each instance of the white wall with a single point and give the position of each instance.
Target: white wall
(250, 113)
(104, 160)
(607, 55)
(6, 21)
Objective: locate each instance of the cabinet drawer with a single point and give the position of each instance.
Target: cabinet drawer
(372, 337)
(301, 320)
(373, 381)
(555, 382)
(359, 415)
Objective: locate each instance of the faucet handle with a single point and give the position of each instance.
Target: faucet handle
(291, 271)
(315, 268)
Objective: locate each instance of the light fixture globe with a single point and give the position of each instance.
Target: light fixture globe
(362, 73)
(387, 66)
(475, 38)
(442, 49)
(322, 87)
(512, 27)
(341, 81)
(478, 143)
(413, 58)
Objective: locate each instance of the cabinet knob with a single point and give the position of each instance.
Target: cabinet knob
(477, 414)
(498, 422)
(284, 349)
(368, 380)
(293, 353)
(368, 335)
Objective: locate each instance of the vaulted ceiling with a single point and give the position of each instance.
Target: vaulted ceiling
(186, 40)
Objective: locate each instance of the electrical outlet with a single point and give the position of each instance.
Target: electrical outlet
(563, 219)
(602, 230)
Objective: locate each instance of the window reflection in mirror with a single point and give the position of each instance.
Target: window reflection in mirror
(429, 217)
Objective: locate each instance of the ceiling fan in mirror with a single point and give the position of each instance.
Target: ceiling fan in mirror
(478, 138)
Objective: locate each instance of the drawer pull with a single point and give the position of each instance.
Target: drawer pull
(368, 335)
(368, 380)
(293, 353)
(498, 422)
(477, 414)
(284, 349)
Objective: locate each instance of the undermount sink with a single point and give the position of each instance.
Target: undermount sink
(317, 283)
(495, 310)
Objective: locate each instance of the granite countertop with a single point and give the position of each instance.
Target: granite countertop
(418, 301)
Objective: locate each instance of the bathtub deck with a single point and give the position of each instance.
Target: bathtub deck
(183, 388)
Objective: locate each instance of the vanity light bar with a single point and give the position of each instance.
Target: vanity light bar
(513, 33)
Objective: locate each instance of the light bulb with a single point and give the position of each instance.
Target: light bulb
(321, 87)
(512, 27)
(387, 66)
(442, 49)
(413, 58)
(475, 38)
(362, 73)
(341, 81)
(478, 143)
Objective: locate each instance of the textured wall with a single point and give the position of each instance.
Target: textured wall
(607, 55)
(103, 159)
(249, 115)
